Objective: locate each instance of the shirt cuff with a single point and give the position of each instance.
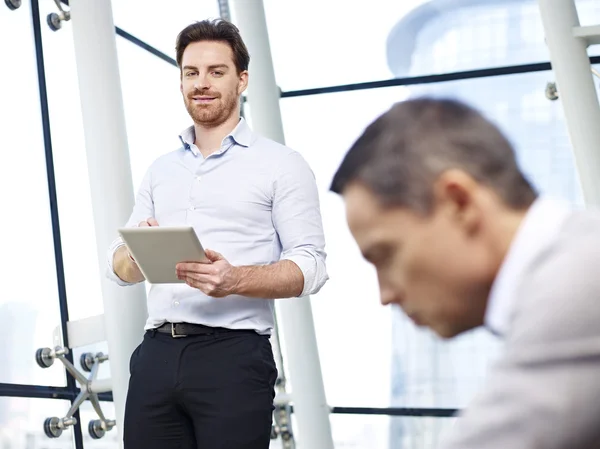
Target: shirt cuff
(110, 271)
(315, 276)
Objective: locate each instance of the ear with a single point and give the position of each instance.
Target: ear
(243, 82)
(456, 194)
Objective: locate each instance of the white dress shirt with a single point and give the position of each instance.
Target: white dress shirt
(254, 201)
(539, 229)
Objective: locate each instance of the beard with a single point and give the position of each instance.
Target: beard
(214, 113)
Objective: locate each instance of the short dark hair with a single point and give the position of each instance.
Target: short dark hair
(400, 155)
(216, 30)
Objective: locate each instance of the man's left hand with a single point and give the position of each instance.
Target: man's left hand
(215, 277)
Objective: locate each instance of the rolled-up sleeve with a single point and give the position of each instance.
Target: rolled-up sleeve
(297, 220)
(142, 210)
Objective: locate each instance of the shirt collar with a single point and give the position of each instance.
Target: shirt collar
(538, 230)
(241, 135)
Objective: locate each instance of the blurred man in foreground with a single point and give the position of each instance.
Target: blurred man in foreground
(459, 238)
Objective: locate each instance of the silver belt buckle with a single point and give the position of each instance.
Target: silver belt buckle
(173, 334)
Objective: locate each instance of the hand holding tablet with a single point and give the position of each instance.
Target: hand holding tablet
(158, 249)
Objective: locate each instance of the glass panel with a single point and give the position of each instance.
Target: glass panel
(371, 356)
(386, 38)
(418, 433)
(151, 132)
(29, 302)
(70, 164)
(22, 423)
(382, 432)
(158, 23)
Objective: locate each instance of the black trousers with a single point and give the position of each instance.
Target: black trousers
(201, 392)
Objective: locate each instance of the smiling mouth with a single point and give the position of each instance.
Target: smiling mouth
(203, 100)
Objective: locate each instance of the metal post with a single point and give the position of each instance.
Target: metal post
(571, 66)
(58, 254)
(110, 179)
(302, 357)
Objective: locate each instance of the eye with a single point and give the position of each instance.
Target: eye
(190, 73)
(217, 73)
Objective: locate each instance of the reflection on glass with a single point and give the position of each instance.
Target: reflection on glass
(386, 38)
(450, 40)
(22, 423)
(29, 302)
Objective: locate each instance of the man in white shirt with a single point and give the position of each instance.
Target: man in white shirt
(459, 239)
(255, 207)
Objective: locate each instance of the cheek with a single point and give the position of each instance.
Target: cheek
(429, 267)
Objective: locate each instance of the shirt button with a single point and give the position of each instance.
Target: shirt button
(192, 208)
(198, 178)
(176, 303)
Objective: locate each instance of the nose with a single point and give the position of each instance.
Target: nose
(391, 293)
(202, 83)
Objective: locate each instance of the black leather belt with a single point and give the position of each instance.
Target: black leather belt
(178, 330)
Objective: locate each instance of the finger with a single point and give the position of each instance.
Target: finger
(194, 267)
(196, 277)
(152, 221)
(207, 288)
(142, 224)
(213, 256)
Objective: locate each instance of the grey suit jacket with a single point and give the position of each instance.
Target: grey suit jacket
(544, 393)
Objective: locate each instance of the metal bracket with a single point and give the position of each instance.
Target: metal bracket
(283, 426)
(55, 20)
(90, 387)
(552, 91)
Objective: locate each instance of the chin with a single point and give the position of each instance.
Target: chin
(446, 332)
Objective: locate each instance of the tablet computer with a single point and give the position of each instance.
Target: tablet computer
(158, 249)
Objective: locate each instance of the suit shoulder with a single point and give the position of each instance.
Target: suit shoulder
(558, 294)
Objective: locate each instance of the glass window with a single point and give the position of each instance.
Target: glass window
(29, 303)
(370, 355)
(384, 39)
(351, 431)
(154, 110)
(78, 237)
(22, 423)
(158, 23)
(155, 115)
(388, 432)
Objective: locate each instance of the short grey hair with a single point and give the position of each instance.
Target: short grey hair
(401, 154)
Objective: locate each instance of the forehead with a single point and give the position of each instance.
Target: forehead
(207, 53)
(363, 212)
(371, 223)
